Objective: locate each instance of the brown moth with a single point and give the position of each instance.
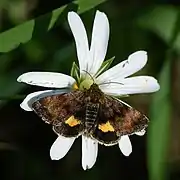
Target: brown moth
(91, 113)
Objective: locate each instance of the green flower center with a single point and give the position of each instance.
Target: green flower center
(86, 84)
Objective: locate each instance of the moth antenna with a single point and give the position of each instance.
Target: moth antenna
(89, 75)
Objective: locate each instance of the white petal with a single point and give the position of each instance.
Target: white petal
(81, 40)
(132, 85)
(47, 79)
(135, 62)
(89, 152)
(125, 145)
(61, 147)
(99, 42)
(31, 98)
(141, 133)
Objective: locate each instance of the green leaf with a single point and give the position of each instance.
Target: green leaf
(85, 5)
(38, 27)
(161, 20)
(159, 128)
(105, 65)
(75, 72)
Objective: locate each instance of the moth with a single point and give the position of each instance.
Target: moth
(90, 112)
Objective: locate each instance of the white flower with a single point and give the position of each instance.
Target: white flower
(114, 81)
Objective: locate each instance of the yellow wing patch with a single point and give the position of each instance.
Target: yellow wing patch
(106, 127)
(72, 121)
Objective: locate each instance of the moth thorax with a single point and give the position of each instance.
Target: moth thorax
(91, 114)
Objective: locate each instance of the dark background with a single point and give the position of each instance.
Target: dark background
(25, 140)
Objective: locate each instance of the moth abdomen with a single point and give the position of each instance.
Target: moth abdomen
(91, 115)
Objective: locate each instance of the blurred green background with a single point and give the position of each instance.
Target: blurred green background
(34, 35)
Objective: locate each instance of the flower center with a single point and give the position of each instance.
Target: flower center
(86, 84)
